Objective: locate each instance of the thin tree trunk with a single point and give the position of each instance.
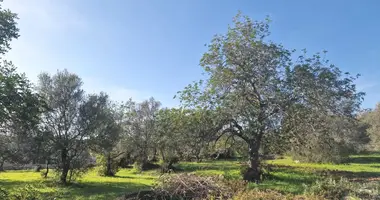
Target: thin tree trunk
(65, 166)
(2, 165)
(47, 168)
(109, 168)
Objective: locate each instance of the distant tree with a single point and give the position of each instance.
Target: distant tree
(70, 121)
(255, 85)
(107, 136)
(371, 118)
(200, 129)
(140, 130)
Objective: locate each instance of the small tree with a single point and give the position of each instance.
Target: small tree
(107, 136)
(140, 129)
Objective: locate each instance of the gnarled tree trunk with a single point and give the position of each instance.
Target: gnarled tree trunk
(253, 172)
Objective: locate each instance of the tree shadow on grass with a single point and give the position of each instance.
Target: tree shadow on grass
(132, 177)
(87, 190)
(208, 165)
(365, 160)
(288, 179)
(103, 190)
(292, 179)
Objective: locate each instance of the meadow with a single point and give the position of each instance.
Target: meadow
(286, 176)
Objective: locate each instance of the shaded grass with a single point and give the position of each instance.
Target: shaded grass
(287, 176)
(91, 186)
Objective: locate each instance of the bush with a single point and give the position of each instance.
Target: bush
(102, 166)
(4, 194)
(331, 188)
(270, 195)
(25, 193)
(339, 189)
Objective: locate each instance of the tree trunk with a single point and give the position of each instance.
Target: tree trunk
(108, 165)
(2, 165)
(154, 157)
(47, 169)
(65, 166)
(253, 172)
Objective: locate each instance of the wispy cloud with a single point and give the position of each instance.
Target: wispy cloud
(44, 25)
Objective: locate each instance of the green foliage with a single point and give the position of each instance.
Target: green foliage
(371, 122)
(9, 30)
(268, 100)
(27, 192)
(333, 189)
(4, 194)
(104, 168)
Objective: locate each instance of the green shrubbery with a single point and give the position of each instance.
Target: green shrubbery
(343, 189)
(103, 169)
(27, 192)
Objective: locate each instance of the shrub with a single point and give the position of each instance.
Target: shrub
(4, 194)
(102, 166)
(339, 189)
(270, 195)
(331, 188)
(28, 192)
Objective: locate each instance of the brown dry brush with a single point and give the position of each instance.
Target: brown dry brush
(185, 187)
(190, 186)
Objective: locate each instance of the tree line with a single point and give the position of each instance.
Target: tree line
(256, 100)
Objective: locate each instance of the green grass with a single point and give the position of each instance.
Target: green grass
(287, 176)
(90, 186)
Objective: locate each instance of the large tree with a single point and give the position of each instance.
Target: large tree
(19, 114)
(19, 106)
(71, 119)
(254, 84)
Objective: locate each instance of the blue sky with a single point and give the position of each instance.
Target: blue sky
(149, 48)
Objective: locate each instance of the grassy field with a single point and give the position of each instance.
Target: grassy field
(286, 176)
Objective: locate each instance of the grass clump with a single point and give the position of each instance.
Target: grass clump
(330, 188)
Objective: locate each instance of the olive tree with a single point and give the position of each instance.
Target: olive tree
(254, 85)
(371, 118)
(70, 121)
(107, 136)
(140, 130)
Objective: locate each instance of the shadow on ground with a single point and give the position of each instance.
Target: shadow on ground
(88, 190)
(365, 160)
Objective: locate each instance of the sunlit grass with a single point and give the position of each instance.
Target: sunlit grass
(286, 176)
(90, 186)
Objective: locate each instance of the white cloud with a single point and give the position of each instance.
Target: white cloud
(44, 24)
(116, 93)
(46, 15)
